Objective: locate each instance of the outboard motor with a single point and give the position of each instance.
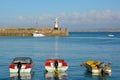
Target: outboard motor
(19, 65)
(102, 67)
(56, 64)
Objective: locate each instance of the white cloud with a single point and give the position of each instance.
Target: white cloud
(92, 18)
(21, 17)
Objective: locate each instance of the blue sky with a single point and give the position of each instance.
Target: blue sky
(73, 14)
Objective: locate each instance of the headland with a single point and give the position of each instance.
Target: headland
(98, 30)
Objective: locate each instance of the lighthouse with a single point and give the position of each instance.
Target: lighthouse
(56, 24)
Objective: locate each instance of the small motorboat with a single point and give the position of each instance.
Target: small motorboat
(38, 34)
(110, 35)
(21, 64)
(97, 67)
(52, 65)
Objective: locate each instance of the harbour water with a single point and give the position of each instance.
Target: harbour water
(74, 49)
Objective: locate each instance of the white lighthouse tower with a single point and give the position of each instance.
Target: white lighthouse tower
(56, 24)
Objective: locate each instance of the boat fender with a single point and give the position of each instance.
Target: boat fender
(19, 65)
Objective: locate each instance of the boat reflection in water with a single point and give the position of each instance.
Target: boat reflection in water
(97, 75)
(21, 76)
(56, 76)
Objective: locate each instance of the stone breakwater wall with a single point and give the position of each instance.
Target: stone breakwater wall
(30, 31)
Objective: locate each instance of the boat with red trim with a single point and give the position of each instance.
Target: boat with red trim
(21, 64)
(51, 65)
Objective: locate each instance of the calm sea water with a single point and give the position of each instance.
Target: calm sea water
(74, 49)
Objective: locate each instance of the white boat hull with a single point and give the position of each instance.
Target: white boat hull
(21, 70)
(97, 71)
(38, 35)
(111, 35)
(60, 69)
